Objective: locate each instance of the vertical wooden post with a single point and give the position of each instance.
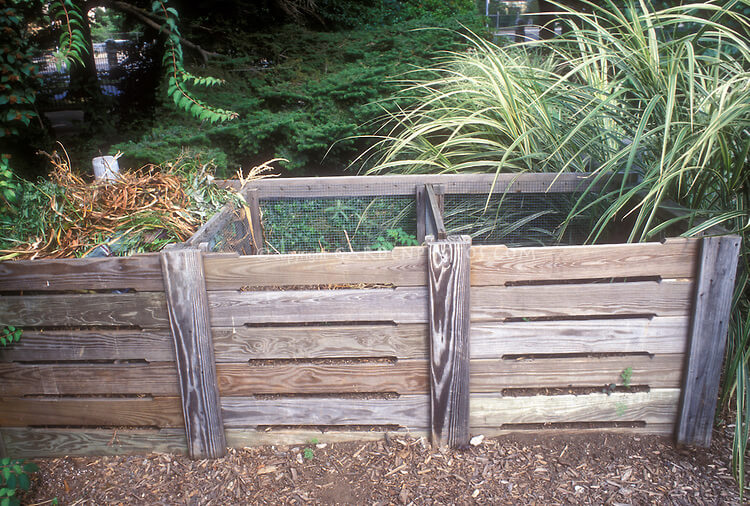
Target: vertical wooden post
(187, 305)
(708, 335)
(448, 273)
(430, 206)
(256, 227)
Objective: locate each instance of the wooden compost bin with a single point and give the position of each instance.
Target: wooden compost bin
(445, 339)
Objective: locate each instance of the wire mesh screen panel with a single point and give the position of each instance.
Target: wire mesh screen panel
(228, 231)
(338, 224)
(514, 219)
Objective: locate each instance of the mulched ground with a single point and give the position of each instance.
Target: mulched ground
(544, 469)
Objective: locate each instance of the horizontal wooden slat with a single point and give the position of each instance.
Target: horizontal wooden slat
(405, 377)
(399, 305)
(232, 344)
(156, 412)
(139, 272)
(101, 309)
(659, 371)
(656, 406)
(358, 186)
(666, 298)
(42, 345)
(248, 437)
(24, 442)
(400, 267)
(88, 379)
(497, 265)
(411, 411)
(629, 335)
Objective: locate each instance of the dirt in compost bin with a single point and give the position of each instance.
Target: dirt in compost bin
(536, 468)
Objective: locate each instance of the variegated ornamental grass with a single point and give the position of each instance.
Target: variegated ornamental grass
(659, 96)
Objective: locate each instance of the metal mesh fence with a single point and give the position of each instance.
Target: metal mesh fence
(522, 219)
(307, 225)
(338, 224)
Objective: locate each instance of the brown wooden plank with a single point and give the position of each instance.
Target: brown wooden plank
(232, 344)
(433, 212)
(149, 412)
(656, 406)
(404, 377)
(146, 310)
(411, 411)
(659, 371)
(401, 267)
(44, 345)
(497, 265)
(213, 226)
(33, 442)
(139, 272)
(362, 186)
(708, 334)
(665, 334)
(399, 305)
(666, 298)
(189, 322)
(448, 267)
(88, 379)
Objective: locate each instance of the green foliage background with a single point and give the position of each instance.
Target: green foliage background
(304, 94)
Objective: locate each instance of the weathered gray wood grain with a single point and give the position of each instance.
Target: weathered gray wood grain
(88, 379)
(658, 406)
(145, 310)
(666, 298)
(708, 334)
(661, 334)
(45, 345)
(232, 344)
(189, 322)
(139, 272)
(399, 267)
(399, 305)
(359, 186)
(32, 442)
(408, 410)
(448, 265)
(497, 265)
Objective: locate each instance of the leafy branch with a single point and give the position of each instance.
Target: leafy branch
(179, 77)
(72, 42)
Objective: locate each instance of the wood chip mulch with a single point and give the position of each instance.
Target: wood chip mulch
(544, 469)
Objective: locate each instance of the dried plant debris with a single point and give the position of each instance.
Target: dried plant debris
(141, 211)
(582, 468)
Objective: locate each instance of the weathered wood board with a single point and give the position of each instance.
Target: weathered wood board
(32, 442)
(89, 379)
(189, 322)
(233, 344)
(116, 412)
(399, 305)
(405, 266)
(667, 298)
(139, 272)
(357, 186)
(406, 377)
(708, 334)
(656, 406)
(659, 371)
(498, 265)
(46, 345)
(411, 411)
(448, 267)
(626, 335)
(145, 310)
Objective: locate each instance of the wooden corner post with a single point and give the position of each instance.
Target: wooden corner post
(708, 336)
(187, 304)
(449, 288)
